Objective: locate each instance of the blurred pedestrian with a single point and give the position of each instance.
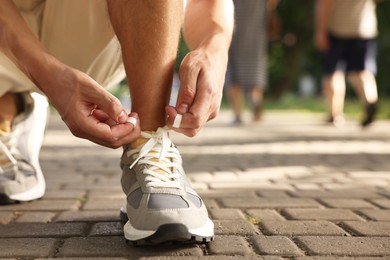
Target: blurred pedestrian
(247, 67)
(346, 32)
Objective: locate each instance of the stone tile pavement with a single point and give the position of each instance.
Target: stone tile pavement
(288, 188)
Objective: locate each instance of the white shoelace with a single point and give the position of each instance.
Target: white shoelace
(7, 147)
(159, 154)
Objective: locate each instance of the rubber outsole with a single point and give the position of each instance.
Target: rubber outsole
(170, 234)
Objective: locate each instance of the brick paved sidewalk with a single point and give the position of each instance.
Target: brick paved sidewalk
(289, 187)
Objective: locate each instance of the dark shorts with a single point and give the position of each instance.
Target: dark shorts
(350, 55)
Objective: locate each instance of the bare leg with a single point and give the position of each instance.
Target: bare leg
(8, 111)
(256, 101)
(334, 90)
(365, 86)
(148, 32)
(236, 99)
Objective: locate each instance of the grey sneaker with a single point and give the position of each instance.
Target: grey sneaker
(161, 205)
(21, 177)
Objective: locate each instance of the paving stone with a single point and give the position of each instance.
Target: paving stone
(381, 228)
(320, 214)
(229, 245)
(383, 203)
(234, 227)
(107, 229)
(376, 214)
(27, 247)
(6, 217)
(269, 203)
(103, 204)
(32, 230)
(35, 217)
(295, 228)
(250, 185)
(88, 215)
(273, 194)
(85, 258)
(41, 205)
(275, 245)
(214, 257)
(338, 258)
(64, 194)
(226, 214)
(104, 194)
(264, 214)
(347, 203)
(348, 194)
(232, 193)
(345, 246)
(116, 246)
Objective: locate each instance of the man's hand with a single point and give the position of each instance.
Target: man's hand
(208, 27)
(89, 110)
(322, 41)
(201, 77)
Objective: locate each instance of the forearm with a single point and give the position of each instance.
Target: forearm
(322, 14)
(19, 43)
(209, 23)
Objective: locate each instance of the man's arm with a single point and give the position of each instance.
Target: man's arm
(73, 93)
(322, 13)
(208, 27)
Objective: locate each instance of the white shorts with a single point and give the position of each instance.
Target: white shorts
(78, 33)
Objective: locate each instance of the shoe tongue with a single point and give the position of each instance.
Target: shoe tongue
(141, 141)
(5, 127)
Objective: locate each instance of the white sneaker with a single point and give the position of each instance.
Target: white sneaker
(161, 206)
(21, 177)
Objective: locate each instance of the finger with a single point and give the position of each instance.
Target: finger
(188, 75)
(103, 117)
(106, 135)
(108, 103)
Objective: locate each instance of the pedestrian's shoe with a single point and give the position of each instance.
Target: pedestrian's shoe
(337, 121)
(161, 205)
(371, 110)
(21, 177)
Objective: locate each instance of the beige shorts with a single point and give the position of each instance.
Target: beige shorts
(78, 33)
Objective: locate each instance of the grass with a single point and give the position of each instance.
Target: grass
(291, 102)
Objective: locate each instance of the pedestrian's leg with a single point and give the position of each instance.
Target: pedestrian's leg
(236, 97)
(365, 86)
(257, 102)
(334, 91)
(149, 32)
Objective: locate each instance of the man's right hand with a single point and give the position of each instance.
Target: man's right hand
(88, 109)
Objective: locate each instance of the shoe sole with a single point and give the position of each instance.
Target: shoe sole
(174, 233)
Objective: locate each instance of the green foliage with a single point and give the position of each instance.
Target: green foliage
(294, 53)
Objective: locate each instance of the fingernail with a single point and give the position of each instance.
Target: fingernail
(177, 121)
(182, 109)
(122, 118)
(132, 120)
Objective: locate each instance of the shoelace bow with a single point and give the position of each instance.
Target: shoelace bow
(7, 148)
(159, 154)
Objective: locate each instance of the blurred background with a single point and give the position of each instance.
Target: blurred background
(295, 66)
